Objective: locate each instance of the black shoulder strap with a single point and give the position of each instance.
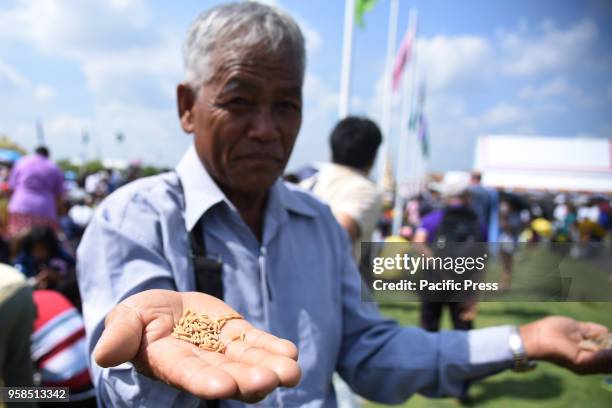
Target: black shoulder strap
(208, 275)
(208, 269)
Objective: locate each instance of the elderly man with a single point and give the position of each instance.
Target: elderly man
(286, 263)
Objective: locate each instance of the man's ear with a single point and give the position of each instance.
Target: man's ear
(185, 98)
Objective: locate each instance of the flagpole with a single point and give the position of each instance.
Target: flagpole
(40, 132)
(415, 152)
(347, 53)
(404, 134)
(423, 130)
(400, 168)
(387, 94)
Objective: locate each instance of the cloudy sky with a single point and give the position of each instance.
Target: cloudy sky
(107, 66)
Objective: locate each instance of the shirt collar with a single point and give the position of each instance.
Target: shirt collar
(290, 200)
(202, 193)
(200, 190)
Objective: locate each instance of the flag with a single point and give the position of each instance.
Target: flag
(418, 122)
(403, 56)
(424, 135)
(362, 7)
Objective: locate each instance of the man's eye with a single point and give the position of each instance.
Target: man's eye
(239, 102)
(289, 105)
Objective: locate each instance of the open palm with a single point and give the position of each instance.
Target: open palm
(139, 330)
(558, 339)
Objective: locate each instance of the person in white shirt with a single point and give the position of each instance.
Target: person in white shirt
(344, 184)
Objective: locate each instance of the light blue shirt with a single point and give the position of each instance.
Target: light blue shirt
(299, 283)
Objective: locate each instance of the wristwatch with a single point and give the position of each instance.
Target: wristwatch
(519, 356)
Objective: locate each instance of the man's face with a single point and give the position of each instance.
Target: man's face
(246, 118)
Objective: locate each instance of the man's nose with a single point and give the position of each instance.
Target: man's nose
(264, 126)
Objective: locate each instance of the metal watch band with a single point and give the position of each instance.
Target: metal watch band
(519, 356)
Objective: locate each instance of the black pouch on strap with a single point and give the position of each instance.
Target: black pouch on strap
(208, 268)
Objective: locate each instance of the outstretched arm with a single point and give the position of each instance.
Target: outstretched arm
(139, 330)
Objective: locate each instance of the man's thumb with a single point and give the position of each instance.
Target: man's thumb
(121, 337)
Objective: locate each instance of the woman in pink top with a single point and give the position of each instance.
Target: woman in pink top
(37, 187)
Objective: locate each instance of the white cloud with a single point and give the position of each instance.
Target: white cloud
(314, 39)
(78, 28)
(19, 90)
(451, 61)
(123, 56)
(453, 68)
(152, 135)
(319, 97)
(62, 133)
(502, 114)
(465, 77)
(130, 66)
(145, 76)
(11, 80)
(559, 93)
(558, 86)
(551, 50)
(43, 93)
(319, 115)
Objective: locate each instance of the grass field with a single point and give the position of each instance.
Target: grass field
(548, 385)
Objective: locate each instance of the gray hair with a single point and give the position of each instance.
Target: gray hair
(237, 26)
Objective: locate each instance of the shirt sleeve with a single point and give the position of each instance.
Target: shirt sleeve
(385, 362)
(120, 256)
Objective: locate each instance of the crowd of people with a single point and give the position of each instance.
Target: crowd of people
(48, 212)
(225, 225)
(44, 212)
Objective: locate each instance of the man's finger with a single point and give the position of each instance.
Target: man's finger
(287, 370)
(236, 328)
(272, 343)
(599, 362)
(591, 330)
(254, 382)
(177, 363)
(121, 337)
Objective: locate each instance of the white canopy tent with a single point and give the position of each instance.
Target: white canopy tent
(545, 163)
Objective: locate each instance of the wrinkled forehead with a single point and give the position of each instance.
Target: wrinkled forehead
(281, 62)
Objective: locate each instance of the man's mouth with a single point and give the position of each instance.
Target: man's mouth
(258, 157)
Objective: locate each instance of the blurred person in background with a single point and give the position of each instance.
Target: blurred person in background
(485, 203)
(43, 260)
(59, 349)
(17, 314)
(37, 186)
(455, 223)
(344, 184)
(507, 247)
